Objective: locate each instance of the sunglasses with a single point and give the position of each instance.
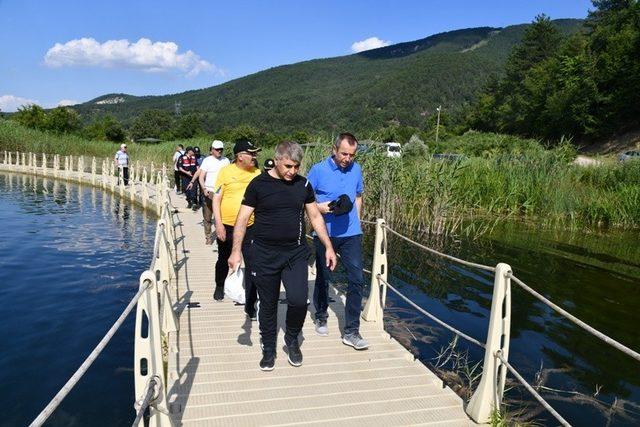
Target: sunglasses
(218, 149)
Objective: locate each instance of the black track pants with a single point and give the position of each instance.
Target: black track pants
(269, 266)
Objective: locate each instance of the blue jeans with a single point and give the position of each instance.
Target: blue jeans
(350, 250)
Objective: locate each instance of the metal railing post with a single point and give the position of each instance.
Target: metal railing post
(373, 310)
(488, 395)
(148, 361)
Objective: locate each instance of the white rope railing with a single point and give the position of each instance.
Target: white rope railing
(477, 407)
(440, 254)
(143, 404)
(621, 347)
(64, 391)
(531, 390)
(431, 316)
(151, 299)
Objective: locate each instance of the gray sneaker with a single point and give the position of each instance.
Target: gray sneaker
(321, 328)
(355, 341)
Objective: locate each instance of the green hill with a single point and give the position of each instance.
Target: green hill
(404, 83)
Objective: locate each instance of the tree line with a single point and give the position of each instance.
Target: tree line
(585, 86)
(558, 81)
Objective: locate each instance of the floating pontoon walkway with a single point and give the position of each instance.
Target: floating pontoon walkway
(214, 378)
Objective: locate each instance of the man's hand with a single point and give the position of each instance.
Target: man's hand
(324, 207)
(190, 186)
(331, 258)
(234, 261)
(221, 233)
(207, 193)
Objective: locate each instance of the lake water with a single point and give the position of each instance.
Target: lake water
(70, 260)
(595, 276)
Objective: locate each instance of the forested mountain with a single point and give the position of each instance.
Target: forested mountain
(586, 86)
(402, 83)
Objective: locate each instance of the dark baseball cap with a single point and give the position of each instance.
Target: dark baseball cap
(245, 145)
(341, 205)
(269, 164)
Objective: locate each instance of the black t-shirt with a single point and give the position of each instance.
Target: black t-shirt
(279, 209)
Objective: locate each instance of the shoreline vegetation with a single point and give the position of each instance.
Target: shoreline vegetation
(497, 177)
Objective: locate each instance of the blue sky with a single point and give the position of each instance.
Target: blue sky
(73, 51)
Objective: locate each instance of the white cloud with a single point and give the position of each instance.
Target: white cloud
(66, 102)
(368, 44)
(10, 103)
(144, 55)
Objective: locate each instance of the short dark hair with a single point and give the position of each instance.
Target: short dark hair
(181, 146)
(345, 136)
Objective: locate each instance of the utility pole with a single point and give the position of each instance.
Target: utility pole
(438, 122)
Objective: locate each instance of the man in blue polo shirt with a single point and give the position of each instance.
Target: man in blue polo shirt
(337, 182)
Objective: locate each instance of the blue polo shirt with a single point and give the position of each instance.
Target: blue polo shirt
(329, 181)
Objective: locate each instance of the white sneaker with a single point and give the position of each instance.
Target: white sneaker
(355, 341)
(321, 328)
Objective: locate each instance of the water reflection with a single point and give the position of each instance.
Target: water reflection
(596, 277)
(69, 266)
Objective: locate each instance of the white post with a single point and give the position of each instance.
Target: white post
(93, 170)
(488, 394)
(148, 361)
(373, 310)
(44, 164)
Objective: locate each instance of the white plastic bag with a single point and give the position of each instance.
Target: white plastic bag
(234, 286)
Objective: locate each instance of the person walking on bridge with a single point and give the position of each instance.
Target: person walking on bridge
(122, 164)
(206, 176)
(177, 176)
(231, 183)
(278, 249)
(188, 166)
(337, 182)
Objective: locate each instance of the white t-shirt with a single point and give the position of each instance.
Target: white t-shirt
(176, 156)
(211, 166)
(122, 158)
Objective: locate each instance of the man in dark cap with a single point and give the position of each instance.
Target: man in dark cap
(231, 183)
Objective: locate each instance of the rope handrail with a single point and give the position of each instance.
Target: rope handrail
(621, 347)
(142, 405)
(441, 254)
(57, 399)
(531, 390)
(431, 316)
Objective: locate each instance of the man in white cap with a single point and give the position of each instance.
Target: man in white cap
(122, 163)
(207, 175)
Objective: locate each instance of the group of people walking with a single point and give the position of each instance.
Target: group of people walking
(259, 218)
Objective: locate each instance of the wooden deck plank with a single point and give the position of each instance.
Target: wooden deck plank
(214, 378)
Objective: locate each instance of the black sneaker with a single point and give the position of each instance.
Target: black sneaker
(189, 205)
(194, 207)
(295, 355)
(218, 294)
(268, 361)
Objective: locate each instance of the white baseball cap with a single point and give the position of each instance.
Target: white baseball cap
(217, 144)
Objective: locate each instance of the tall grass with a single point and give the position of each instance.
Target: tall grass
(504, 177)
